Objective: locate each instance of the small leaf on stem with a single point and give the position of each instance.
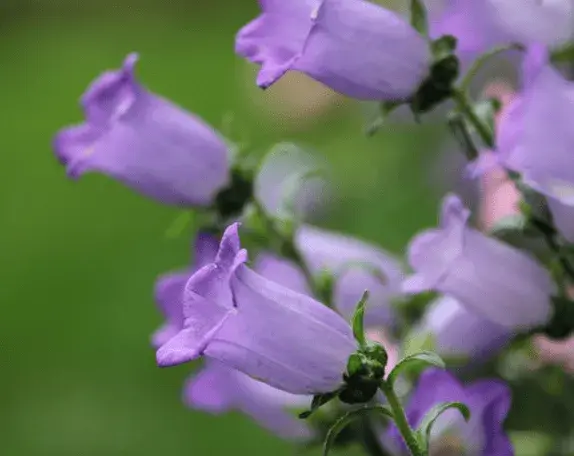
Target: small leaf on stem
(357, 322)
(424, 429)
(424, 357)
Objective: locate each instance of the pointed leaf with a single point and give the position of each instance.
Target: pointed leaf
(424, 429)
(357, 322)
(419, 17)
(424, 357)
(346, 419)
(318, 401)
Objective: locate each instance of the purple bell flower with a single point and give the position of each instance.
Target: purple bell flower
(487, 276)
(456, 332)
(536, 138)
(488, 401)
(169, 289)
(144, 141)
(481, 25)
(563, 216)
(321, 37)
(218, 389)
(247, 322)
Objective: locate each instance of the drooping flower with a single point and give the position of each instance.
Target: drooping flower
(249, 323)
(490, 278)
(355, 265)
(169, 289)
(483, 435)
(481, 25)
(321, 38)
(563, 217)
(218, 389)
(144, 141)
(456, 332)
(536, 137)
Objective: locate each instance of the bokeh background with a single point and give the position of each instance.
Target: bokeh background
(78, 259)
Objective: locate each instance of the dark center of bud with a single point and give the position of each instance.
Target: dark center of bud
(230, 201)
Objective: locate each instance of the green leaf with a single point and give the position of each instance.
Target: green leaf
(444, 46)
(419, 17)
(461, 133)
(357, 323)
(346, 419)
(432, 415)
(424, 357)
(318, 401)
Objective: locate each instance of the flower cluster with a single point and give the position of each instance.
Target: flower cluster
(322, 324)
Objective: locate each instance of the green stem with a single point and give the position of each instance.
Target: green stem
(479, 62)
(401, 421)
(464, 105)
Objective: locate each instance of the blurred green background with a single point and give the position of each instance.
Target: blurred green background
(78, 259)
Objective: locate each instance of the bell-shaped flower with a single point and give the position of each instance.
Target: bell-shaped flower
(321, 38)
(536, 138)
(144, 141)
(218, 389)
(169, 288)
(484, 435)
(457, 333)
(479, 26)
(487, 276)
(247, 322)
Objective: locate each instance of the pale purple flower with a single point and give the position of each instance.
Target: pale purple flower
(357, 266)
(169, 289)
(563, 216)
(249, 323)
(322, 37)
(536, 138)
(219, 389)
(144, 141)
(457, 332)
(481, 25)
(489, 277)
(488, 401)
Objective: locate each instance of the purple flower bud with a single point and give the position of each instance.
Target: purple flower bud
(456, 332)
(483, 435)
(236, 316)
(144, 141)
(169, 289)
(321, 38)
(487, 276)
(218, 389)
(536, 138)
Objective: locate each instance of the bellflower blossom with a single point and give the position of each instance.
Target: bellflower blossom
(487, 276)
(144, 141)
(247, 322)
(481, 25)
(169, 289)
(457, 332)
(218, 389)
(322, 37)
(536, 137)
(483, 435)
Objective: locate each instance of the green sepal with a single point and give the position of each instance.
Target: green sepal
(423, 431)
(325, 285)
(460, 131)
(419, 19)
(561, 325)
(443, 47)
(346, 419)
(423, 357)
(385, 109)
(357, 322)
(231, 201)
(318, 401)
